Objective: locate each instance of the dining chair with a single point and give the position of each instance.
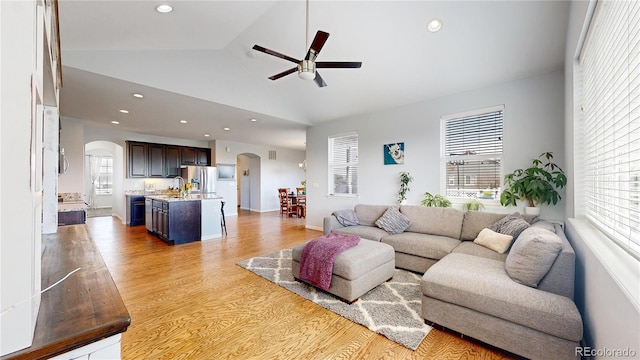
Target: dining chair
(301, 202)
(286, 204)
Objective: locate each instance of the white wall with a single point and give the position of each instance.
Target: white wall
(534, 109)
(72, 141)
(249, 181)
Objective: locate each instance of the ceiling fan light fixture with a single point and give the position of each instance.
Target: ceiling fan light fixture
(305, 75)
(307, 70)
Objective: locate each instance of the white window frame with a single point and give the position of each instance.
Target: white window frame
(108, 174)
(333, 165)
(446, 159)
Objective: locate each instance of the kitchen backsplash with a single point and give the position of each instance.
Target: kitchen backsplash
(73, 196)
(134, 186)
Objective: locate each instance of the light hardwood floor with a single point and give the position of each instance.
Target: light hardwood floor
(192, 301)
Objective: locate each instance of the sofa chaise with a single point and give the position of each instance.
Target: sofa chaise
(513, 293)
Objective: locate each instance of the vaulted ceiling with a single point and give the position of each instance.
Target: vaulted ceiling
(196, 63)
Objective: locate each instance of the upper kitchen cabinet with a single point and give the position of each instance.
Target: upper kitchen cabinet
(173, 160)
(157, 161)
(203, 157)
(137, 159)
(149, 160)
(189, 156)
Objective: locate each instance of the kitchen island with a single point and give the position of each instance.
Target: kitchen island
(180, 220)
(71, 213)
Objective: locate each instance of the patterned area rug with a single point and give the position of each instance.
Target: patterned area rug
(391, 309)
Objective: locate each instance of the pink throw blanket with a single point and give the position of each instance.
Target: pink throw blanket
(316, 260)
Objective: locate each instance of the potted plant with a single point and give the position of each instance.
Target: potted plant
(405, 179)
(537, 184)
(435, 200)
(473, 205)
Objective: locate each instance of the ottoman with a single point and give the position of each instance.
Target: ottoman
(356, 270)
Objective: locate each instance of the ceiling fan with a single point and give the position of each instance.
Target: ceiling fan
(307, 67)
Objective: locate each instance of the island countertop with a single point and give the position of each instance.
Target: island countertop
(190, 197)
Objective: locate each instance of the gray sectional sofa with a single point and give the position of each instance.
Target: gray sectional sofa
(520, 300)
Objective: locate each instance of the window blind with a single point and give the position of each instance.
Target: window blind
(610, 62)
(472, 152)
(343, 164)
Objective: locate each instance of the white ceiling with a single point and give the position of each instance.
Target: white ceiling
(196, 62)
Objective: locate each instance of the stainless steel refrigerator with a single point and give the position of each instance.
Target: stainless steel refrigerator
(202, 178)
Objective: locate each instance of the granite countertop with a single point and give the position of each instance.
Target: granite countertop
(138, 193)
(190, 197)
(72, 206)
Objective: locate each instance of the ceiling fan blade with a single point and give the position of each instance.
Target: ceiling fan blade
(338, 64)
(319, 80)
(316, 45)
(284, 73)
(274, 53)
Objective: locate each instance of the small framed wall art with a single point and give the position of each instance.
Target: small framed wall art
(394, 153)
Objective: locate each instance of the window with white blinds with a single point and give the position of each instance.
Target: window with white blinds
(610, 63)
(472, 154)
(343, 164)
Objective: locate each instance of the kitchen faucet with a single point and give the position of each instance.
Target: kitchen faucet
(180, 183)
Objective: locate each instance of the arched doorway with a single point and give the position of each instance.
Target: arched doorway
(249, 182)
(103, 175)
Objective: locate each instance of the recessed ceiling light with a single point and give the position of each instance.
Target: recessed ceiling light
(206, 135)
(164, 8)
(137, 95)
(124, 111)
(434, 25)
(183, 121)
(115, 122)
(253, 120)
(226, 129)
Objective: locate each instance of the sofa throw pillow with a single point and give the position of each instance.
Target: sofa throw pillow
(512, 225)
(393, 222)
(532, 255)
(495, 241)
(544, 224)
(346, 217)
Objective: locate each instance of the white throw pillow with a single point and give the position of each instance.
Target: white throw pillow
(495, 241)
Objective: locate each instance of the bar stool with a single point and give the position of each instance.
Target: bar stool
(223, 222)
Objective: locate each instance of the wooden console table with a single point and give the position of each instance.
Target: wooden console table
(83, 309)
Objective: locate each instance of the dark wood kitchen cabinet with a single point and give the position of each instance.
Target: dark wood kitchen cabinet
(149, 160)
(203, 157)
(136, 210)
(176, 222)
(189, 156)
(156, 161)
(173, 161)
(137, 156)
